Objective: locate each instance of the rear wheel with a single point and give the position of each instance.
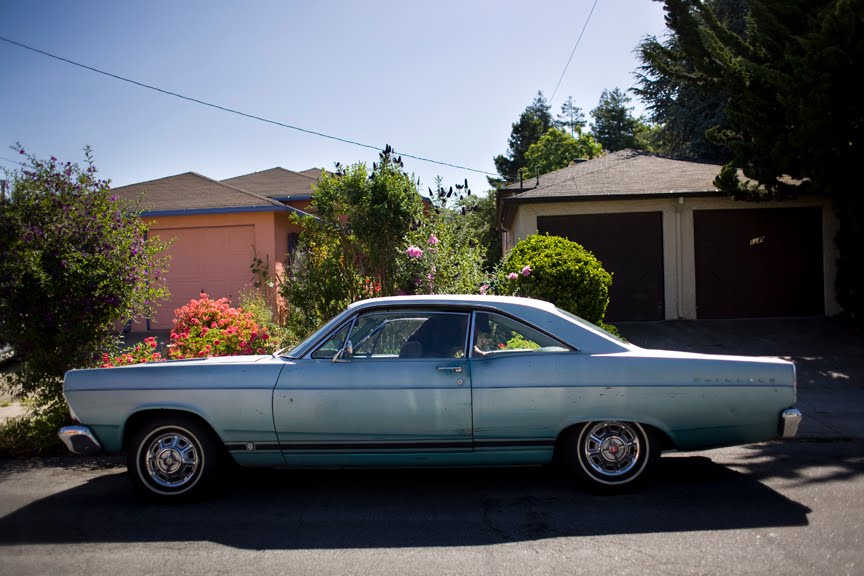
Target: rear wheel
(173, 458)
(610, 456)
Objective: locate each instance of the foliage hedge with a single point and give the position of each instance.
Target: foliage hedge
(557, 270)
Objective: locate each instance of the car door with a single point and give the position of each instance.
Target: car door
(398, 390)
(523, 382)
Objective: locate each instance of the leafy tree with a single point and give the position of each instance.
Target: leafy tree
(614, 127)
(682, 102)
(534, 121)
(571, 117)
(74, 261)
(371, 235)
(556, 150)
(354, 240)
(795, 120)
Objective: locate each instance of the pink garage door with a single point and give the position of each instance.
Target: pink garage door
(213, 259)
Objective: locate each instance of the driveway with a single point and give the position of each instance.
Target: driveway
(828, 354)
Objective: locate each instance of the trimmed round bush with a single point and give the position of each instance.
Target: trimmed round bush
(557, 270)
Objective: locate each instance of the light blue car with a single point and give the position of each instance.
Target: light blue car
(430, 381)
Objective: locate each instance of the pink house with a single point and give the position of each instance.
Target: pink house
(218, 228)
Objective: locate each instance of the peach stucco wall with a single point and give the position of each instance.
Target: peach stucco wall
(213, 252)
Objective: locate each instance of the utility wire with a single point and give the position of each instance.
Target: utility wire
(4, 159)
(233, 111)
(584, 26)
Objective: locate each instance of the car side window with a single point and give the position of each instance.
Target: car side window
(333, 344)
(496, 334)
(410, 334)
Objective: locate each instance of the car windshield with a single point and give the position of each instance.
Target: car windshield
(304, 346)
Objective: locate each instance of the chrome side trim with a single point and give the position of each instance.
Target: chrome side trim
(80, 440)
(789, 421)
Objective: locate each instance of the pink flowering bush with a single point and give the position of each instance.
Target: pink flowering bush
(206, 327)
(441, 257)
(138, 354)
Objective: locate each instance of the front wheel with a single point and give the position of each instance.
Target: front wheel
(173, 459)
(610, 456)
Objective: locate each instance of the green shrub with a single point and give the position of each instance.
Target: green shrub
(35, 433)
(256, 302)
(557, 270)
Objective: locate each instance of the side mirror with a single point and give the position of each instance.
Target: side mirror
(345, 354)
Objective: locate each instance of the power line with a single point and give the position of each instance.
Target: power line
(584, 26)
(232, 110)
(10, 161)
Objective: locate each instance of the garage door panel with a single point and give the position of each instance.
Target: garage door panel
(212, 259)
(758, 262)
(630, 246)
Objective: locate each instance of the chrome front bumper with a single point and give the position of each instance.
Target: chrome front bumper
(789, 421)
(80, 440)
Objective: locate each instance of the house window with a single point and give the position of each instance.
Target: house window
(293, 239)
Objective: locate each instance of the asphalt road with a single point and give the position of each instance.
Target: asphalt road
(776, 508)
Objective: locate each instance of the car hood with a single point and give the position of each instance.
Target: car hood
(210, 360)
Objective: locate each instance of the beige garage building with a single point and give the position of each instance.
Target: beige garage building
(677, 246)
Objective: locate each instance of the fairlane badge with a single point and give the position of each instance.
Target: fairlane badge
(733, 380)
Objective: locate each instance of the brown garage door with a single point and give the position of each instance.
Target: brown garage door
(214, 259)
(758, 262)
(630, 246)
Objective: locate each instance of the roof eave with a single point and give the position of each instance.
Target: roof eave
(622, 196)
(221, 210)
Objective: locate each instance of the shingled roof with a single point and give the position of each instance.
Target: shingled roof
(193, 193)
(623, 174)
(276, 183)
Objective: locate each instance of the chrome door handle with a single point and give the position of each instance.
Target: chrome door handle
(457, 369)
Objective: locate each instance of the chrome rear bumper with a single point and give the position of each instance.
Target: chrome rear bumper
(80, 440)
(789, 421)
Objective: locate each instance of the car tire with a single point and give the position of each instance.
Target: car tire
(174, 459)
(610, 456)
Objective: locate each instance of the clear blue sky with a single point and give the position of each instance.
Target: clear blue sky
(442, 79)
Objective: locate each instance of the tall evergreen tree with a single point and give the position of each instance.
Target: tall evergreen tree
(681, 101)
(533, 123)
(615, 127)
(793, 107)
(570, 118)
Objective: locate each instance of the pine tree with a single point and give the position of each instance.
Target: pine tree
(571, 117)
(533, 123)
(615, 128)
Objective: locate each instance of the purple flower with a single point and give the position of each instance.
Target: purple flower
(512, 276)
(414, 252)
(483, 289)
(526, 271)
(433, 240)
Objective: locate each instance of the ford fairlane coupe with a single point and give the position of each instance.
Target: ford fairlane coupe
(430, 381)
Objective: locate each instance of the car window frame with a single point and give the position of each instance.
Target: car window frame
(467, 310)
(510, 353)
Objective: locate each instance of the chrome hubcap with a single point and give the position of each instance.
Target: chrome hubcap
(172, 460)
(611, 448)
